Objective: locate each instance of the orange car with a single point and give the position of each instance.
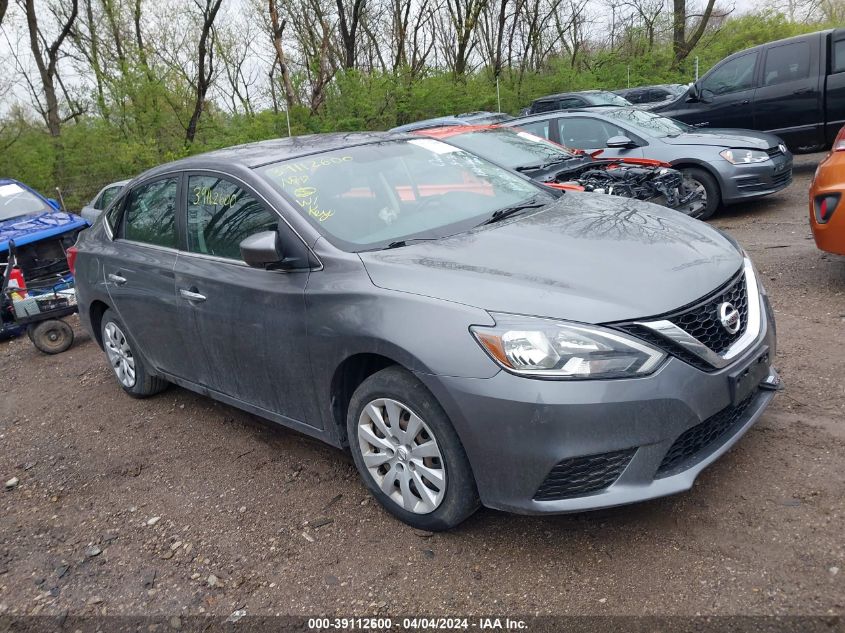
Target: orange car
(826, 197)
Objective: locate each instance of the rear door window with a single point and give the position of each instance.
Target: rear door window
(790, 62)
(150, 216)
(540, 128)
(586, 133)
(221, 214)
(545, 106)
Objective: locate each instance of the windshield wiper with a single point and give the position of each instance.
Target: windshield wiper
(549, 163)
(406, 242)
(501, 214)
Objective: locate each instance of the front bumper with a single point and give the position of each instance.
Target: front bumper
(516, 430)
(744, 182)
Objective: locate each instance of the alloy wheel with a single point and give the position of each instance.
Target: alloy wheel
(696, 186)
(119, 354)
(401, 454)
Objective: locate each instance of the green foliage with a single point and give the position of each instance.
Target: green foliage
(145, 122)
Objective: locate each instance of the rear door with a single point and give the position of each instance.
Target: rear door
(248, 323)
(138, 270)
(590, 134)
(835, 86)
(789, 100)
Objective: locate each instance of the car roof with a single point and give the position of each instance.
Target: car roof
(542, 116)
(455, 130)
(558, 95)
(251, 155)
(12, 181)
(466, 118)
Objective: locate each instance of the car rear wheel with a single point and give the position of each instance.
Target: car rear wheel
(128, 367)
(408, 453)
(700, 181)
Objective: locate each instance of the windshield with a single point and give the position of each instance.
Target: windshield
(511, 148)
(656, 125)
(16, 201)
(369, 196)
(607, 98)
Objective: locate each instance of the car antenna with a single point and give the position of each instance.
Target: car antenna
(61, 199)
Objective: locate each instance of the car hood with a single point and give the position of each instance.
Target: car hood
(26, 229)
(725, 138)
(586, 257)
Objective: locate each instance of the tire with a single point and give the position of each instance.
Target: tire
(52, 336)
(129, 368)
(699, 178)
(398, 395)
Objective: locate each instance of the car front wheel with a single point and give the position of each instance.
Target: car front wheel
(408, 453)
(701, 182)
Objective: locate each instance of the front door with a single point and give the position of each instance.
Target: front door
(249, 324)
(727, 95)
(138, 270)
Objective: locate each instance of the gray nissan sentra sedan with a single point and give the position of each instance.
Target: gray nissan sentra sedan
(469, 336)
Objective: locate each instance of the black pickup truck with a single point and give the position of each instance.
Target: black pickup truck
(794, 88)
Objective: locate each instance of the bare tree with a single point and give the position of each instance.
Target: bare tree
(47, 59)
(683, 43)
(4, 4)
(277, 29)
(205, 64)
(463, 15)
(349, 20)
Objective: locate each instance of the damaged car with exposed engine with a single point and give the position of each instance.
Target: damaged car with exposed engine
(35, 236)
(559, 167)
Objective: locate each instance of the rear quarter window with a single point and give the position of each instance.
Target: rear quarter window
(838, 65)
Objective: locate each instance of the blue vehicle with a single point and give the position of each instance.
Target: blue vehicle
(27, 217)
(36, 237)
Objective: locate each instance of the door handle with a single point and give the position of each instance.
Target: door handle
(191, 295)
(740, 103)
(117, 279)
(802, 91)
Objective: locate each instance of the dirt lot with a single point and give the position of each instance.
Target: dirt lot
(179, 505)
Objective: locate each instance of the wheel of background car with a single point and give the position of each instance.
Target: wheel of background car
(52, 336)
(699, 180)
(128, 366)
(408, 453)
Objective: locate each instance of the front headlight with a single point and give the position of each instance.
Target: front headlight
(546, 348)
(743, 156)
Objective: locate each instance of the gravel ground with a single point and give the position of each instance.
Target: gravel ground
(178, 505)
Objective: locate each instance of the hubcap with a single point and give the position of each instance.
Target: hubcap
(119, 354)
(402, 455)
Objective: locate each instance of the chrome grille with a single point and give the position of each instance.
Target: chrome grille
(702, 321)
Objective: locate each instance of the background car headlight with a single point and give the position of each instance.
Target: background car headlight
(743, 156)
(557, 349)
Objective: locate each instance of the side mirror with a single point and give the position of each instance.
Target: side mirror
(693, 94)
(620, 142)
(262, 249)
(54, 203)
(706, 96)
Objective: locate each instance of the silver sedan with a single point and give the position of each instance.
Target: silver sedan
(726, 165)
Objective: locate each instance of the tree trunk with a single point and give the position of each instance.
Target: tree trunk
(681, 44)
(205, 70)
(277, 31)
(47, 68)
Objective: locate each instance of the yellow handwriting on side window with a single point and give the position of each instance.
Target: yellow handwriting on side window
(208, 197)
